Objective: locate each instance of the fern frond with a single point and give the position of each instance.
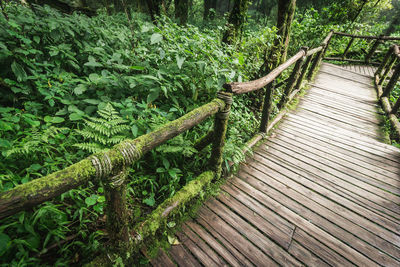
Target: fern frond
(91, 147)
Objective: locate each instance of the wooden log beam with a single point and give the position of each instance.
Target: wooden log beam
(386, 38)
(101, 164)
(351, 60)
(204, 141)
(245, 87)
(384, 62)
(394, 121)
(347, 48)
(392, 82)
(158, 218)
(314, 50)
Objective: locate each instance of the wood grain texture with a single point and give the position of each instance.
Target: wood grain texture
(321, 190)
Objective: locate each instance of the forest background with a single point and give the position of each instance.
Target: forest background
(79, 76)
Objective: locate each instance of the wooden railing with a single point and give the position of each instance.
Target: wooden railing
(389, 66)
(110, 167)
(377, 40)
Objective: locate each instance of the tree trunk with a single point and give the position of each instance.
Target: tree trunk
(277, 54)
(208, 4)
(154, 9)
(236, 21)
(181, 11)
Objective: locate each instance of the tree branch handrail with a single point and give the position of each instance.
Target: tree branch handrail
(101, 164)
(250, 86)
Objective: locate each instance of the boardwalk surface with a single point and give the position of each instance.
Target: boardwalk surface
(323, 190)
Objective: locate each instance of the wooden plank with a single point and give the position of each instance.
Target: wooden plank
(245, 229)
(345, 111)
(218, 260)
(255, 219)
(340, 123)
(351, 120)
(348, 68)
(182, 257)
(342, 180)
(343, 104)
(162, 260)
(325, 219)
(359, 166)
(305, 256)
(344, 73)
(291, 211)
(325, 166)
(219, 244)
(343, 133)
(326, 89)
(236, 239)
(279, 222)
(201, 256)
(319, 249)
(323, 202)
(343, 191)
(336, 145)
(347, 167)
(387, 156)
(356, 80)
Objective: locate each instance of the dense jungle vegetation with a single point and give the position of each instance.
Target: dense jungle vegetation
(77, 77)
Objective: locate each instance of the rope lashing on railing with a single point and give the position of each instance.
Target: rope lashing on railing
(227, 98)
(129, 152)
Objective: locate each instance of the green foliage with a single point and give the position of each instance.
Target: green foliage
(109, 129)
(74, 84)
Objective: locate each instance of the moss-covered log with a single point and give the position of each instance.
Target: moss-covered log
(158, 218)
(42, 189)
(204, 141)
(385, 62)
(370, 37)
(267, 107)
(100, 165)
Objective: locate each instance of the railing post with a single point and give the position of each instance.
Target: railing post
(387, 70)
(384, 63)
(373, 48)
(116, 211)
(267, 106)
(294, 76)
(320, 55)
(220, 127)
(396, 107)
(348, 47)
(306, 65)
(392, 82)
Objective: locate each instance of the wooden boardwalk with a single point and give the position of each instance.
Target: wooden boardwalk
(323, 190)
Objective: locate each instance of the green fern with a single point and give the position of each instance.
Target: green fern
(107, 130)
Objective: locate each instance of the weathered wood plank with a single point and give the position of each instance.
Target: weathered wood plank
(235, 238)
(218, 243)
(292, 212)
(182, 257)
(162, 260)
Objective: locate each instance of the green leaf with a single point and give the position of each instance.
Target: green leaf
(134, 130)
(153, 96)
(36, 39)
(5, 143)
(137, 67)
(5, 126)
(150, 200)
(4, 243)
(75, 116)
(90, 201)
(19, 71)
(156, 38)
(92, 101)
(165, 163)
(57, 120)
(179, 61)
(94, 77)
(92, 62)
(80, 89)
